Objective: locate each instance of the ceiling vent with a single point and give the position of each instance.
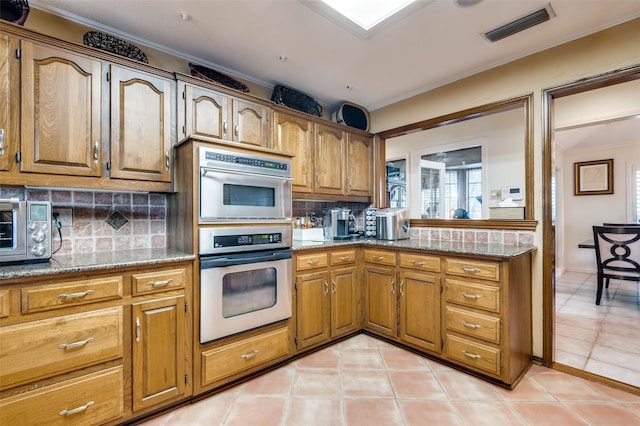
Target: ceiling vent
(532, 19)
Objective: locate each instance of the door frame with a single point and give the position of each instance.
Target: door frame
(548, 262)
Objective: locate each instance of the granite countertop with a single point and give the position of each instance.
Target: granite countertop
(81, 262)
(454, 247)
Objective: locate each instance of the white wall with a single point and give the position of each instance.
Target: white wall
(581, 212)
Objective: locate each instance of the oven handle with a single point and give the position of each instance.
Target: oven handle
(243, 259)
(206, 170)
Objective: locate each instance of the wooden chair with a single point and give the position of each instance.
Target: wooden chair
(621, 224)
(617, 254)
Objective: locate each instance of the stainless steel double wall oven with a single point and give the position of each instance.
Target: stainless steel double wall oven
(244, 241)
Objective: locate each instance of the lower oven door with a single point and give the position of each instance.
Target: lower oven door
(239, 292)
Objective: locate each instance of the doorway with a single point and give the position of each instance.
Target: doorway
(580, 337)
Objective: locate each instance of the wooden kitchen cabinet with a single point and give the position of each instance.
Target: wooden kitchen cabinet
(380, 302)
(159, 370)
(327, 298)
(296, 135)
(61, 111)
(9, 92)
(359, 166)
(141, 135)
(329, 163)
(80, 118)
(209, 114)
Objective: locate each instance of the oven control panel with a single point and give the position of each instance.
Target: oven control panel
(216, 240)
(246, 240)
(229, 160)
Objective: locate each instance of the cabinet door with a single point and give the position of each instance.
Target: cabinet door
(141, 141)
(329, 160)
(206, 113)
(251, 123)
(380, 300)
(5, 97)
(60, 112)
(159, 369)
(420, 310)
(295, 135)
(312, 309)
(344, 301)
(359, 166)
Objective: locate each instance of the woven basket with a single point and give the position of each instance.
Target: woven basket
(217, 77)
(112, 44)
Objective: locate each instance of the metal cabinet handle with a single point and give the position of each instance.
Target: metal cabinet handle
(137, 329)
(415, 262)
(224, 127)
(237, 130)
(75, 295)
(326, 287)
(344, 258)
(250, 355)
(393, 285)
(335, 286)
(167, 160)
(96, 152)
(317, 177)
(401, 287)
(313, 261)
(1, 141)
(76, 410)
(472, 270)
(378, 257)
(470, 355)
(471, 296)
(75, 344)
(164, 283)
(469, 325)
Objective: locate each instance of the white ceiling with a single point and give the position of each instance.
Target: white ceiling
(436, 44)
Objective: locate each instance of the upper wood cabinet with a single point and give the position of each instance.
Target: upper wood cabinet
(8, 125)
(328, 162)
(141, 139)
(80, 121)
(206, 113)
(61, 112)
(295, 135)
(359, 168)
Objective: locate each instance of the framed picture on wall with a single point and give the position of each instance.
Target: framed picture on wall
(593, 177)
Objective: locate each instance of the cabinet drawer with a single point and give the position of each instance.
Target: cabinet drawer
(87, 400)
(417, 261)
(380, 257)
(311, 261)
(473, 294)
(71, 293)
(474, 269)
(158, 281)
(239, 356)
(342, 257)
(476, 355)
(473, 324)
(51, 346)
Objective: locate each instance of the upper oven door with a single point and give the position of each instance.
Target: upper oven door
(235, 196)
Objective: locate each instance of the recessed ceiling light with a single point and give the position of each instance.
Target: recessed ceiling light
(367, 13)
(185, 16)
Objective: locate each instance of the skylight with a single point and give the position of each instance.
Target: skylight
(368, 13)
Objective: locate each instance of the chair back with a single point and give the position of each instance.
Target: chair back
(621, 224)
(618, 251)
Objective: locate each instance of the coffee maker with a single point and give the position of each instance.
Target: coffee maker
(338, 222)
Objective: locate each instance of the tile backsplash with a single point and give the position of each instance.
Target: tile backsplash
(103, 221)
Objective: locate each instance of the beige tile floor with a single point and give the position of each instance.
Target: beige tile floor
(365, 381)
(602, 339)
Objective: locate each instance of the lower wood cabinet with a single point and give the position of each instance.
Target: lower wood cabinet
(244, 355)
(90, 399)
(95, 348)
(327, 297)
(159, 371)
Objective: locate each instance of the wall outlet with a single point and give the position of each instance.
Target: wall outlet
(496, 194)
(65, 216)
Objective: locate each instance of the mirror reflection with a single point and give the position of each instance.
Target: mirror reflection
(469, 169)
